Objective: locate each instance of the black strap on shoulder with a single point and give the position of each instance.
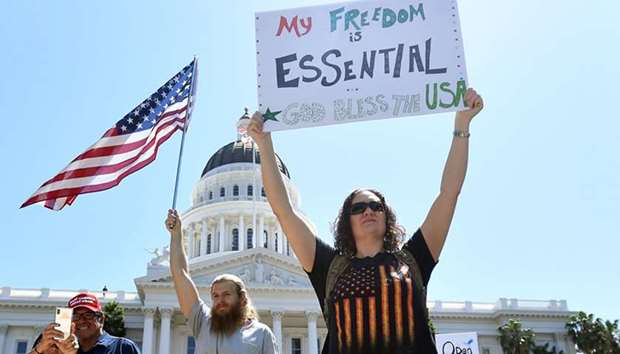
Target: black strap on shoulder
(406, 257)
(338, 265)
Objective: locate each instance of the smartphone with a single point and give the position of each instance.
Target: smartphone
(63, 318)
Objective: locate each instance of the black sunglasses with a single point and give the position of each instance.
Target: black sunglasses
(88, 316)
(358, 208)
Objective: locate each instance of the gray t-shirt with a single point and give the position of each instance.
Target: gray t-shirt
(252, 338)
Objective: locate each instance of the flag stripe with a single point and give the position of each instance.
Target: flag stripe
(101, 185)
(120, 140)
(131, 144)
(106, 165)
(104, 178)
(94, 179)
(97, 161)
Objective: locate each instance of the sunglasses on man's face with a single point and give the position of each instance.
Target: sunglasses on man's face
(358, 208)
(88, 316)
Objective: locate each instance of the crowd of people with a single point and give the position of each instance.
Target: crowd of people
(371, 284)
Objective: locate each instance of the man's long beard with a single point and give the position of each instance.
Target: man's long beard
(228, 322)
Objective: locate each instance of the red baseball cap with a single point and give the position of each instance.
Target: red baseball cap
(85, 300)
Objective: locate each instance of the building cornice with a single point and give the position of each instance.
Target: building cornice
(500, 314)
(15, 304)
(228, 258)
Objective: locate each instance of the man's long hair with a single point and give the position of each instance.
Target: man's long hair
(343, 233)
(239, 314)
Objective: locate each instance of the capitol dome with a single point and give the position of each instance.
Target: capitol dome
(237, 152)
(229, 210)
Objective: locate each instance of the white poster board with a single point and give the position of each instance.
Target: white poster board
(457, 343)
(357, 61)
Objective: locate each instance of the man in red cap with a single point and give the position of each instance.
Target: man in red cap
(87, 322)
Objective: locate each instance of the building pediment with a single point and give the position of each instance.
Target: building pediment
(258, 268)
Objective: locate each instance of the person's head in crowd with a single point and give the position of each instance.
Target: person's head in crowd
(231, 306)
(88, 317)
(366, 217)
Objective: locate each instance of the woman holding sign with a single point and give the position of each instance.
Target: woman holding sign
(371, 286)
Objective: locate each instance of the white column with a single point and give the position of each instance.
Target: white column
(277, 329)
(272, 239)
(312, 334)
(191, 230)
(3, 330)
(203, 236)
(261, 227)
(147, 335)
(222, 233)
(164, 332)
(281, 240)
(241, 233)
(186, 237)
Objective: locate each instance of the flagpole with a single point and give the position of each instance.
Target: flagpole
(254, 231)
(190, 108)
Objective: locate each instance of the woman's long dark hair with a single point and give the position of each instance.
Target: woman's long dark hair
(343, 233)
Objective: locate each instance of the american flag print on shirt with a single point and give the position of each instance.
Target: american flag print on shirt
(373, 307)
(131, 144)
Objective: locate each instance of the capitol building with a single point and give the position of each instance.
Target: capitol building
(230, 228)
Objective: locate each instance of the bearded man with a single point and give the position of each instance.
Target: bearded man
(231, 325)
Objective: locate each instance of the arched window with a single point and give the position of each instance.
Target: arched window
(222, 192)
(250, 190)
(250, 237)
(209, 240)
(276, 240)
(210, 195)
(235, 239)
(266, 237)
(262, 192)
(235, 190)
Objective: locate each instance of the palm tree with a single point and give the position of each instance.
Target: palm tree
(114, 319)
(514, 339)
(593, 336)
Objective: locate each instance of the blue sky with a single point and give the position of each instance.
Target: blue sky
(538, 215)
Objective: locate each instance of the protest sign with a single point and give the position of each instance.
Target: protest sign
(457, 343)
(357, 61)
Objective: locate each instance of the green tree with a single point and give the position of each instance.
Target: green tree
(114, 319)
(594, 336)
(431, 326)
(514, 339)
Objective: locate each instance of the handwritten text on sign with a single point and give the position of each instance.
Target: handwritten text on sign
(358, 61)
(457, 343)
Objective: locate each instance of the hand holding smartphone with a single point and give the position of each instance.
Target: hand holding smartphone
(63, 318)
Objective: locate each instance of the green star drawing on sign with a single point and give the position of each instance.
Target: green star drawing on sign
(269, 115)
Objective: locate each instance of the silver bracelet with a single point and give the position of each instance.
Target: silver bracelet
(461, 134)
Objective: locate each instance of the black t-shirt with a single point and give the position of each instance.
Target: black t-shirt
(375, 306)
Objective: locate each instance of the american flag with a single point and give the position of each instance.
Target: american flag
(128, 146)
